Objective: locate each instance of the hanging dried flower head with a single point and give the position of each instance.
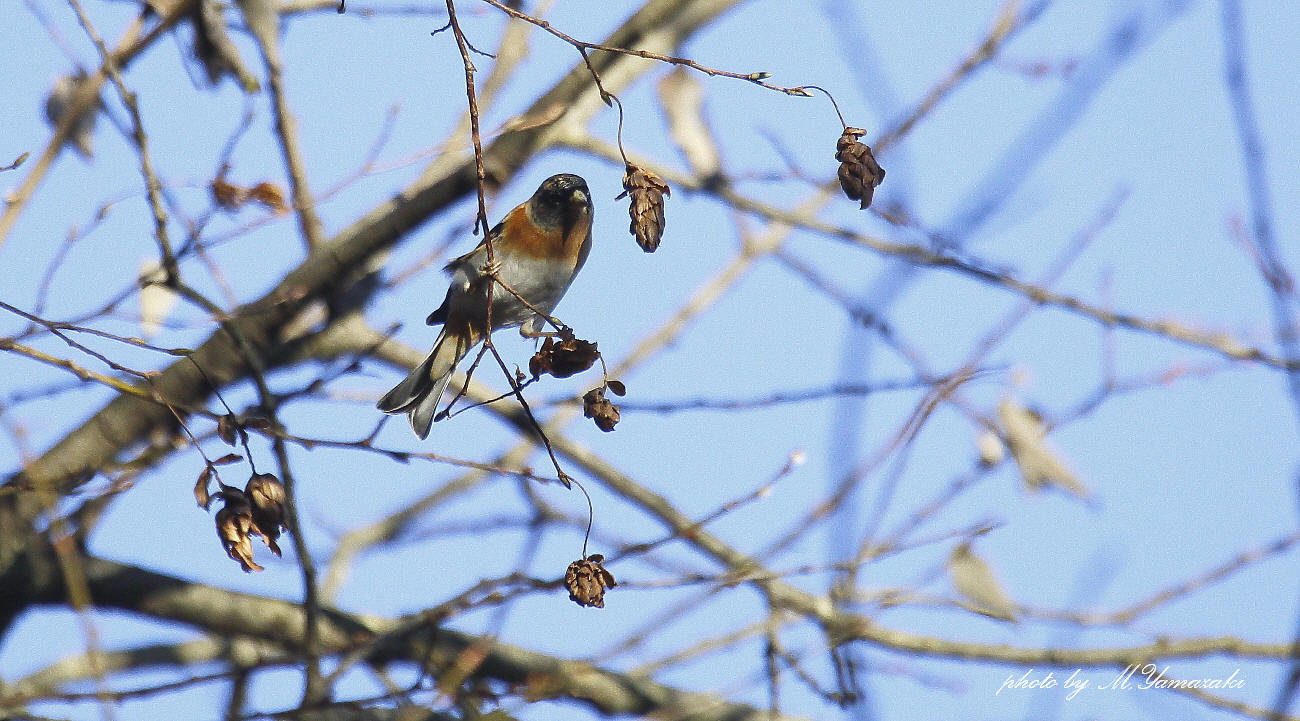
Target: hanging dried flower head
(859, 172)
(266, 495)
(587, 580)
(569, 356)
(647, 191)
(258, 510)
(235, 527)
(599, 408)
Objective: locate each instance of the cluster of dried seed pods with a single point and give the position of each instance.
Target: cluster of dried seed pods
(257, 510)
(229, 196)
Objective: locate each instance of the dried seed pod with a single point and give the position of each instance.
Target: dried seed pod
(568, 357)
(225, 194)
(587, 580)
(269, 196)
(266, 496)
(235, 526)
(597, 407)
(229, 196)
(540, 363)
(647, 191)
(859, 172)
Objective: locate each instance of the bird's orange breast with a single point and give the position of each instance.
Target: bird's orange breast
(528, 238)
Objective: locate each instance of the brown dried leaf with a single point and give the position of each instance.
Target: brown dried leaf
(269, 196)
(228, 459)
(597, 407)
(573, 356)
(201, 488)
(540, 363)
(228, 428)
(859, 172)
(226, 195)
(647, 191)
(616, 387)
(586, 580)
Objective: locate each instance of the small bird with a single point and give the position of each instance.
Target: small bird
(56, 104)
(972, 578)
(537, 248)
(1040, 465)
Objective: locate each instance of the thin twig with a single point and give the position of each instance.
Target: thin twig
(152, 186)
(964, 264)
(129, 47)
(492, 268)
(582, 47)
(262, 19)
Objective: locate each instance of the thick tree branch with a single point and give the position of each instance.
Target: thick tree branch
(223, 612)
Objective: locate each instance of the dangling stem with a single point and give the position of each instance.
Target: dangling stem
(591, 516)
(832, 98)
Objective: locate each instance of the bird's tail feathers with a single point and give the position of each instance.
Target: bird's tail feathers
(419, 393)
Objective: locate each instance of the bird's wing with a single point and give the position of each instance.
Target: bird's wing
(463, 270)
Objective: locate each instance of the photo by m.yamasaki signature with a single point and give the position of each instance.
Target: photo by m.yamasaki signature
(1133, 677)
